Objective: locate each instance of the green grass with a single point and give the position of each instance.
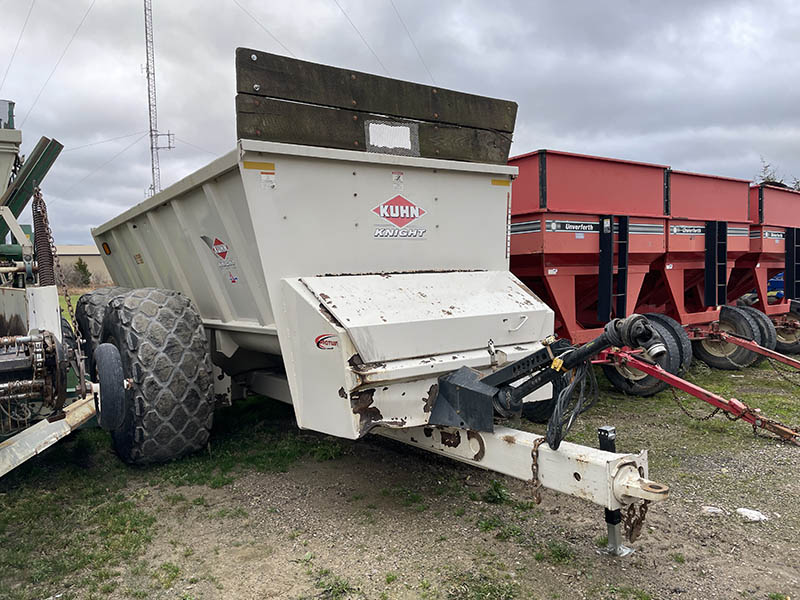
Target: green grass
(490, 523)
(69, 518)
(496, 493)
(66, 517)
(406, 497)
(332, 587)
(555, 552)
(63, 304)
(480, 586)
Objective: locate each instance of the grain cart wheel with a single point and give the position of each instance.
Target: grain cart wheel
(67, 335)
(724, 355)
(769, 335)
(539, 412)
(112, 405)
(636, 383)
(164, 352)
(681, 337)
(788, 338)
(89, 314)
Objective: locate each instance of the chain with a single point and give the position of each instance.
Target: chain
(781, 373)
(536, 485)
(686, 410)
(632, 521)
(41, 207)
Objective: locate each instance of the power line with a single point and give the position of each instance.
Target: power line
(353, 25)
(269, 33)
(114, 139)
(408, 33)
(182, 141)
(19, 39)
(108, 162)
(58, 62)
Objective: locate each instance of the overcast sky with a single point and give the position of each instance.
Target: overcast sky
(703, 86)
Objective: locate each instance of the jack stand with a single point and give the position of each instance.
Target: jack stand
(608, 436)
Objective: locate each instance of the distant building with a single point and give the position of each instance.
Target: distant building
(68, 255)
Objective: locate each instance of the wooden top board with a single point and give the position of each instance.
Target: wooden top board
(288, 100)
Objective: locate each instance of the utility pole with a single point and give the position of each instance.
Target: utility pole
(155, 187)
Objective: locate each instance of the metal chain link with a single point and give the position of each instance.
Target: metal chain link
(633, 521)
(40, 206)
(783, 374)
(536, 485)
(686, 410)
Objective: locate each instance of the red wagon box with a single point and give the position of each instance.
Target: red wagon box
(553, 181)
(771, 205)
(708, 197)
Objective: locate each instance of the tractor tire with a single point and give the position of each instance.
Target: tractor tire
(164, 352)
(68, 339)
(680, 335)
(539, 412)
(112, 404)
(769, 335)
(89, 314)
(788, 339)
(724, 355)
(635, 383)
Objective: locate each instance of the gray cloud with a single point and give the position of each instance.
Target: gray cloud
(702, 86)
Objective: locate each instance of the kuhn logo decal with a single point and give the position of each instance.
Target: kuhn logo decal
(400, 212)
(221, 251)
(326, 341)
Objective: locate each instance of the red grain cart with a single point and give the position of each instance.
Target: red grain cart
(774, 241)
(585, 231)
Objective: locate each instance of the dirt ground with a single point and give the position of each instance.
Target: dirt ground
(375, 519)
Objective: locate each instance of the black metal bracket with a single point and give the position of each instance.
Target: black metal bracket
(715, 284)
(791, 273)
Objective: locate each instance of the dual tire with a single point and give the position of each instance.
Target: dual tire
(154, 340)
(744, 322)
(635, 383)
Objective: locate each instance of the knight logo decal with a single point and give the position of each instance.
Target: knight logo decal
(326, 341)
(399, 212)
(224, 261)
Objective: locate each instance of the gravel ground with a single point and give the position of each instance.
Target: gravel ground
(380, 520)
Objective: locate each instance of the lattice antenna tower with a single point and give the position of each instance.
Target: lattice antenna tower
(155, 187)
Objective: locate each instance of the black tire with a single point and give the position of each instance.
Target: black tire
(68, 338)
(111, 412)
(724, 355)
(89, 314)
(635, 382)
(681, 337)
(539, 412)
(769, 336)
(788, 338)
(164, 351)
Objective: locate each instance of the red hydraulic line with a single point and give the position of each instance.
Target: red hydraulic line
(733, 407)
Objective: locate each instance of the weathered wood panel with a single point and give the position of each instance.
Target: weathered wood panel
(275, 76)
(278, 121)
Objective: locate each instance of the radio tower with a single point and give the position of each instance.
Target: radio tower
(155, 187)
